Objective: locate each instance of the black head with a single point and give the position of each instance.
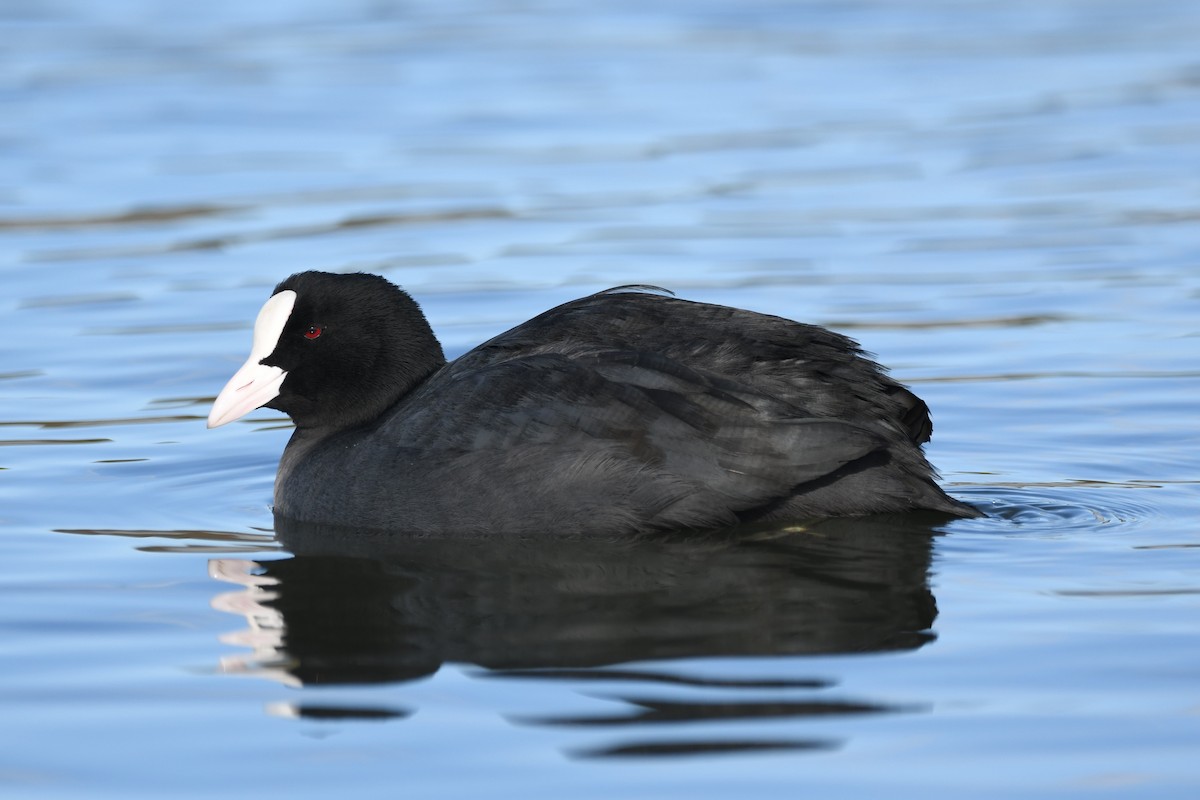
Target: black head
(340, 349)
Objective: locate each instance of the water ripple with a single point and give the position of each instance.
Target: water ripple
(1058, 507)
(227, 240)
(227, 541)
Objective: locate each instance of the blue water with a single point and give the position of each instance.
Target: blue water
(999, 200)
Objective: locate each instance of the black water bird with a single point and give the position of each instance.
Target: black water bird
(622, 411)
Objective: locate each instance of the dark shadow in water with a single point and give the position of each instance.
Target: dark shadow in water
(343, 713)
(705, 748)
(354, 607)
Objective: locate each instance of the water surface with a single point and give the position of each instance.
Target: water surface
(999, 200)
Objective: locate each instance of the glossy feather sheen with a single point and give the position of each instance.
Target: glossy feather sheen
(617, 412)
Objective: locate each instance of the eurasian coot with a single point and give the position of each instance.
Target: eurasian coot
(622, 411)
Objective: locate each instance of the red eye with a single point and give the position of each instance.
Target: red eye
(313, 332)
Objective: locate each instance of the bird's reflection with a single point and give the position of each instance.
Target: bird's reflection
(354, 606)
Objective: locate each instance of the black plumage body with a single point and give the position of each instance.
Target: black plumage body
(622, 411)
